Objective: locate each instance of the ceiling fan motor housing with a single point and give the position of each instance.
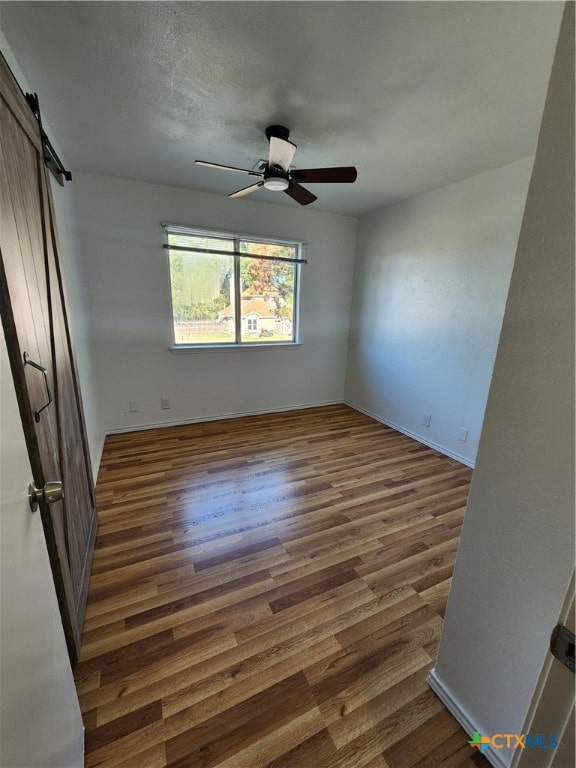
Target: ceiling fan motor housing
(276, 178)
(279, 131)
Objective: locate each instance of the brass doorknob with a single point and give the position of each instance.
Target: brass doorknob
(51, 492)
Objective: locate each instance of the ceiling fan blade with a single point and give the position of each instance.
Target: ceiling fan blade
(247, 190)
(324, 175)
(206, 164)
(300, 194)
(281, 152)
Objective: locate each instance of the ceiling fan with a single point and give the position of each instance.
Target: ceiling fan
(277, 176)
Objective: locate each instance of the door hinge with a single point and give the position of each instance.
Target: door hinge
(562, 645)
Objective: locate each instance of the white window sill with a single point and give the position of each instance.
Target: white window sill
(183, 349)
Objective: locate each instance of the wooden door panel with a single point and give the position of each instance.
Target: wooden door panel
(25, 235)
(22, 242)
(35, 320)
(23, 238)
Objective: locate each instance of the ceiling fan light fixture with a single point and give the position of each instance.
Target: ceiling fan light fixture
(276, 183)
(278, 175)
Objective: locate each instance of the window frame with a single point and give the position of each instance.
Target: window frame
(237, 255)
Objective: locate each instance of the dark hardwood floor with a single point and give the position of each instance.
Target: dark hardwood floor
(269, 591)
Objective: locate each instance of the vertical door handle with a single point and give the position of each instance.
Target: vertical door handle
(42, 370)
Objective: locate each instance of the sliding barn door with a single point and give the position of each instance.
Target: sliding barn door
(41, 356)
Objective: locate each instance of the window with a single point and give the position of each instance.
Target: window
(232, 290)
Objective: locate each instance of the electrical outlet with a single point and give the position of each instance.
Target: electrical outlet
(463, 437)
(134, 406)
(427, 418)
(165, 403)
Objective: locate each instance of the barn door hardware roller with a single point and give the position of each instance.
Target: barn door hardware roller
(51, 158)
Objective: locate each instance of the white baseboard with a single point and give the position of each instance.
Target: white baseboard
(217, 417)
(440, 448)
(95, 461)
(494, 757)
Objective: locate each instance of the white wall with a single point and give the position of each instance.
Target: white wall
(431, 279)
(40, 720)
(126, 270)
(516, 553)
(75, 283)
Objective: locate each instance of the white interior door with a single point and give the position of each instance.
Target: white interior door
(40, 720)
(553, 706)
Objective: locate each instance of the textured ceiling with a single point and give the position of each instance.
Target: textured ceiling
(416, 95)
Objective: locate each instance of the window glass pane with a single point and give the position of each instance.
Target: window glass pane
(210, 289)
(267, 302)
(202, 287)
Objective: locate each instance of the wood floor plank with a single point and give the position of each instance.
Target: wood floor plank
(284, 739)
(353, 724)
(221, 736)
(123, 726)
(242, 690)
(432, 741)
(118, 748)
(153, 757)
(385, 733)
(268, 592)
(188, 613)
(256, 656)
(378, 762)
(317, 747)
(374, 675)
